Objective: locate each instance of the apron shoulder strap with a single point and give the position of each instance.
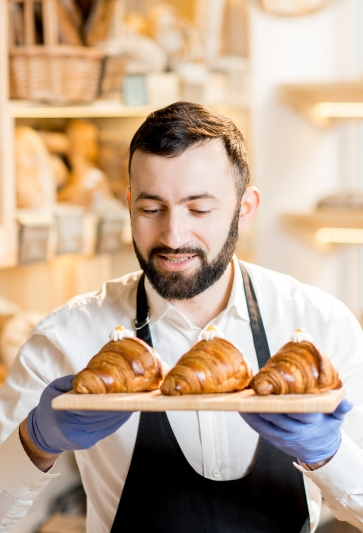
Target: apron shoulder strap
(257, 327)
(142, 313)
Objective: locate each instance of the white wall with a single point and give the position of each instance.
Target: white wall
(295, 163)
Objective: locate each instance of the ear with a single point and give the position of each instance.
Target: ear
(128, 198)
(249, 207)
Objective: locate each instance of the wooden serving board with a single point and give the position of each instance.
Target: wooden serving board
(244, 401)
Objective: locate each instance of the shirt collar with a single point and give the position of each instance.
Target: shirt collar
(238, 295)
(159, 307)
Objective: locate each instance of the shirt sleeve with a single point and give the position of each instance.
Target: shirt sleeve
(38, 363)
(341, 482)
(21, 482)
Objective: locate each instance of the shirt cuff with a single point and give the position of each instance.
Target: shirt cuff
(19, 475)
(343, 474)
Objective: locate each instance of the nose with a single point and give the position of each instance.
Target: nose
(175, 232)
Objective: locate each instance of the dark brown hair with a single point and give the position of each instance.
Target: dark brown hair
(168, 132)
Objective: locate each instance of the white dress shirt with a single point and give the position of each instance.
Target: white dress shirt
(218, 445)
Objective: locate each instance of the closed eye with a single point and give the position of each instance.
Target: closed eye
(154, 211)
(200, 212)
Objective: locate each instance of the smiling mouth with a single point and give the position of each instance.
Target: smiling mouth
(180, 260)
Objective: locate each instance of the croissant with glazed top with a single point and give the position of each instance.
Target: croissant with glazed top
(297, 368)
(210, 366)
(126, 364)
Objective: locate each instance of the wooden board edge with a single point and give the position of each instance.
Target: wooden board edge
(155, 402)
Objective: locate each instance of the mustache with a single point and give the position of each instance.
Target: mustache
(163, 250)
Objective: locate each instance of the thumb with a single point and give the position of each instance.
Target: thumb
(344, 407)
(63, 384)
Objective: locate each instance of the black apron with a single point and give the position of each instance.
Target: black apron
(164, 494)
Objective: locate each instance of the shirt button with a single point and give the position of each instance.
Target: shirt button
(216, 472)
(33, 489)
(210, 412)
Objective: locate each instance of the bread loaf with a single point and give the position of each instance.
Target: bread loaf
(35, 183)
(60, 170)
(87, 186)
(3, 374)
(100, 21)
(56, 142)
(69, 23)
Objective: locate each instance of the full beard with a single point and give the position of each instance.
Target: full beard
(177, 285)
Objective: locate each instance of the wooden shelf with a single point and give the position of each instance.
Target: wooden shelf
(98, 109)
(324, 104)
(326, 229)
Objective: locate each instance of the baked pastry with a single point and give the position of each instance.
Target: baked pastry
(16, 27)
(69, 23)
(60, 170)
(88, 186)
(212, 365)
(13, 333)
(56, 142)
(113, 161)
(103, 16)
(297, 368)
(175, 33)
(3, 374)
(35, 184)
(125, 364)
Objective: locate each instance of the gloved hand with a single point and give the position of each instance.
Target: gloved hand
(56, 431)
(311, 437)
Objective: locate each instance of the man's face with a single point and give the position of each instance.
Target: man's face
(184, 218)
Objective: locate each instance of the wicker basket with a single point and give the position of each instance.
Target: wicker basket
(51, 72)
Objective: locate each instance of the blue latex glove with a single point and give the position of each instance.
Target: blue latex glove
(311, 437)
(56, 431)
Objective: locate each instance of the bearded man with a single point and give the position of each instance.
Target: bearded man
(187, 471)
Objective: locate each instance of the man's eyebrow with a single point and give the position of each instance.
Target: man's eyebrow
(203, 196)
(190, 198)
(147, 196)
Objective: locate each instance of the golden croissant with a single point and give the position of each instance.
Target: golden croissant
(297, 368)
(127, 365)
(210, 366)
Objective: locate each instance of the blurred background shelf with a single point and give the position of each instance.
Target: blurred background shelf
(326, 229)
(325, 103)
(21, 109)
(99, 109)
(106, 126)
